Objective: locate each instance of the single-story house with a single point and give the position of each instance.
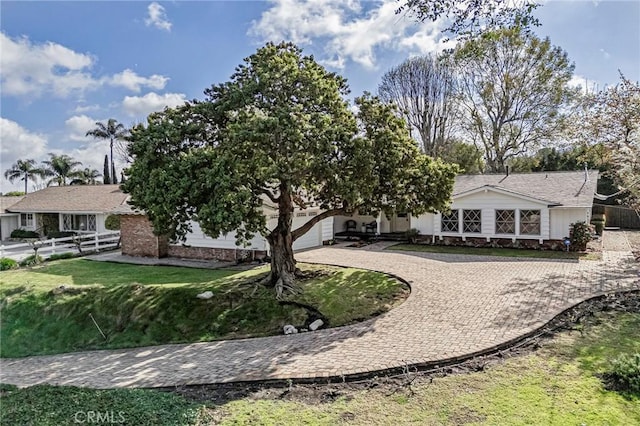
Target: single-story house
(524, 209)
(138, 238)
(79, 208)
(518, 209)
(8, 221)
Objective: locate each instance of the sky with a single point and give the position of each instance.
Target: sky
(65, 65)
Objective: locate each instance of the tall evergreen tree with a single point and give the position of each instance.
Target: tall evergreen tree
(105, 173)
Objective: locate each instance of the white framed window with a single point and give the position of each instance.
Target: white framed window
(301, 214)
(79, 222)
(26, 220)
(472, 221)
(505, 221)
(450, 221)
(530, 222)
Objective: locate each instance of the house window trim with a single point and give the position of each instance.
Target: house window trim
(464, 222)
(29, 220)
(88, 221)
(515, 222)
(442, 221)
(520, 233)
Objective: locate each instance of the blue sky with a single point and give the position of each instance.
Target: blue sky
(65, 65)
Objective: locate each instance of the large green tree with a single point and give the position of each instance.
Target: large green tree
(25, 170)
(60, 168)
(115, 133)
(511, 88)
(279, 132)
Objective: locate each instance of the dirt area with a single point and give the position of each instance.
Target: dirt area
(401, 381)
(634, 240)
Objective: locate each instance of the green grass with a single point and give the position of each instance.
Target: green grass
(488, 251)
(50, 405)
(150, 305)
(556, 385)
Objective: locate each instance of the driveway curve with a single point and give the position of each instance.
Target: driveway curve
(459, 305)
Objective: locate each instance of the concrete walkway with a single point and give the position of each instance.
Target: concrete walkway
(459, 305)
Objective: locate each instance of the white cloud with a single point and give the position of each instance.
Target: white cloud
(585, 85)
(157, 17)
(132, 81)
(346, 32)
(78, 126)
(86, 108)
(18, 143)
(151, 102)
(31, 69)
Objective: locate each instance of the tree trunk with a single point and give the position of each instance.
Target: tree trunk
(283, 265)
(111, 179)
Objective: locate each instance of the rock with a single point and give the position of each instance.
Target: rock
(289, 329)
(205, 295)
(316, 325)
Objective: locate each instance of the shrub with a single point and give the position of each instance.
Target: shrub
(580, 235)
(6, 264)
(23, 233)
(31, 260)
(412, 235)
(61, 234)
(112, 222)
(58, 256)
(625, 373)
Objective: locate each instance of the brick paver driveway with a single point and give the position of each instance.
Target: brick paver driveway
(459, 305)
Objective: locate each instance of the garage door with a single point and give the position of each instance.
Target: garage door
(313, 238)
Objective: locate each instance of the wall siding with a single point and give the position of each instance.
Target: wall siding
(488, 202)
(562, 218)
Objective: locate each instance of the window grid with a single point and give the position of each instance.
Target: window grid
(530, 222)
(450, 221)
(472, 221)
(505, 221)
(26, 219)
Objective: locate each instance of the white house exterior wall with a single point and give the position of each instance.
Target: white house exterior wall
(562, 218)
(423, 223)
(7, 225)
(322, 231)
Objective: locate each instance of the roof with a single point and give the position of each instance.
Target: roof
(72, 198)
(568, 189)
(6, 202)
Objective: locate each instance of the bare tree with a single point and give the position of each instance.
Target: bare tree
(511, 87)
(422, 88)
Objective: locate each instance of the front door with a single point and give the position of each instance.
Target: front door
(400, 222)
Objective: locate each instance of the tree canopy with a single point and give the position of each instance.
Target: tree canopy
(422, 88)
(24, 170)
(470, 18)
(279, 132)
(511, 87)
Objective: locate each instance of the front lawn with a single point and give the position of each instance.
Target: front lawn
(148, 305)
(559, 384)
(488, 251)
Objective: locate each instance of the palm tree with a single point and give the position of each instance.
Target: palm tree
(86, 177)
(24, 170)
(60, 168)
(113, 131)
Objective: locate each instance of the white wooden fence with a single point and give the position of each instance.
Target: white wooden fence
(80, 243)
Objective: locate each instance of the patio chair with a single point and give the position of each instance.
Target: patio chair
(351, 225)
(371, 227)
